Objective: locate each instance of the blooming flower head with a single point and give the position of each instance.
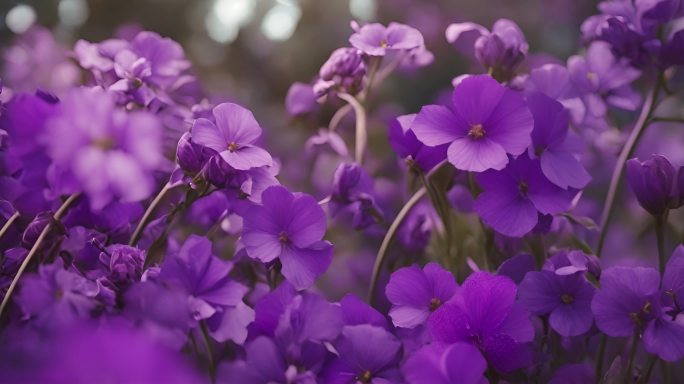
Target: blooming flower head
(566, 298)
(416, 293)
(484, 313)
(514, 197)
(500, 51)
(288, 227)
(377, 40)
(353, 191)
(486, 122)
(103, 151)
(439, 363)
(124, 263)
(654, 183)
(233, 135)
(366, 354)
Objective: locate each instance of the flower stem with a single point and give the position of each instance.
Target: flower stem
(649, 370)
(389, 236)
(210, 354)
(599, 357)
(632, 354)
(135, 237)
(644, 119)
(9, 223)
(361, 133)
(43, 234)
(660, 222)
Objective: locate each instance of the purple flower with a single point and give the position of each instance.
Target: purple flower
(416, 230)
(566, 298)
(514, 197)
(376, 39)
(288, 227)
(352, 190)
(55, 296)
(550, 143)
(124, 264)
(105, 152)
(408, 147)
(233, 136)
(627, 301)
(344, 71)
(213, 295)
(600, 76)
(485, 123)
(484, 313)
(653, 182)
(356, 312)
(439, 363)
(554, 81)
(365, 354)
(500, 51)
(300, 99)
(415, 294)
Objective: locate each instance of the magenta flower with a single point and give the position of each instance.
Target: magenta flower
(288, 227)
(514, 197)
(484, 313)
(376, 39)
(486, 122)
(233, 136)
(416, 293)
(439, 363)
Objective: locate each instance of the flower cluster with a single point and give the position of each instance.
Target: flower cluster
(470, 254)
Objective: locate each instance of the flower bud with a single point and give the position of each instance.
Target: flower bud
(652, 182)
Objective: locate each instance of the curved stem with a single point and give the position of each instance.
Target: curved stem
(361, 134)
(389, 236)
(9, 223)
(135, 237)
(338, 116)
(58, 215)
(639, 128)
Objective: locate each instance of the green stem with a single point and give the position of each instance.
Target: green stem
(43, 234)
(9, 223)
(148, 213)
(210, 354)
(644, 119)
(660, 222)
(389, 236)
(599, 357)
(632, 354)
(361, 133)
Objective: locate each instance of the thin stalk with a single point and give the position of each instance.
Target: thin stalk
(657, 119)
(649, 370)
(389, 236)
(639, 128)
(210, 354)
(660, 222)
(58, 215)
(361, 133)
(632, 354)
(9, 223)
(338, 116)
(599, 357)
(135, 237)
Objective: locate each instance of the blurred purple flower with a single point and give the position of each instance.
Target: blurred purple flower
(103, 151)
(439, 363)
(485, 123)
(233, 136)
(124, 264)
(288, 227)
(655, 183)
(300, 99)
(484, 313)
(514, 197)
(352, 191)
(377, 40)
(415, 294)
